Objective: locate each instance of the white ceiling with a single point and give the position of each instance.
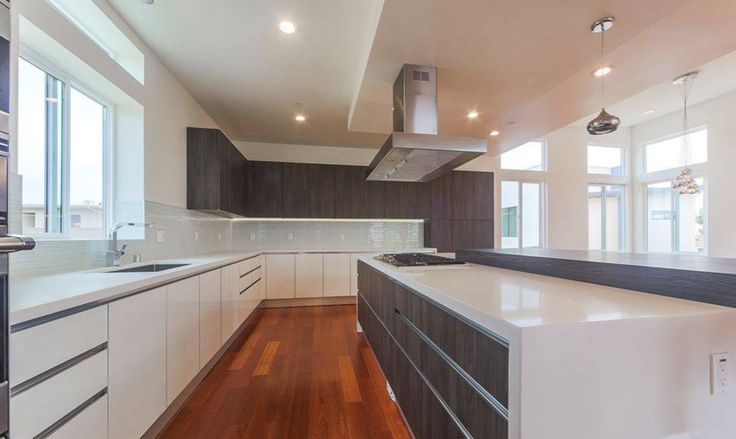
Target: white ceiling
(528, 61)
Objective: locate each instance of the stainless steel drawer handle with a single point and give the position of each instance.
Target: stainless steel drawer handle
(15, 243)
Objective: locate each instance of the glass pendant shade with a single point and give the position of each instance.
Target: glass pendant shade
(685, 183)
(604, 123)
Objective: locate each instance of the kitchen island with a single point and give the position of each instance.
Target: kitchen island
(477, 351)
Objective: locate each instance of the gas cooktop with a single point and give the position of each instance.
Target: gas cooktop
(416, 259)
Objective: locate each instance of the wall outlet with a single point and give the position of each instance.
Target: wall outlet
(160, 236)
(252, 236)
(219, 236)
(342, 237)
(196, 236)
(290, 236)
(719, 373)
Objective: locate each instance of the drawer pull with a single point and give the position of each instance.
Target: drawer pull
(248, 287)
(251, 271)
(69, 416)
(43, 376)
(490, 399)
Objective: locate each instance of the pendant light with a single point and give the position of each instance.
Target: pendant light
(604, 123)
(685, 183)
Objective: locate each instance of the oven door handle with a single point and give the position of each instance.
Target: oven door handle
(15, 243)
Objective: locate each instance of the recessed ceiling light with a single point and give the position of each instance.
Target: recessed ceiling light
(649, 112)
(300, 118)
(494, 133)
(287, 27)
(473, 115)
(603, 71)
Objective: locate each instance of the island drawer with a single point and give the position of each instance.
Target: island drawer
(483, 356)
(39, 348)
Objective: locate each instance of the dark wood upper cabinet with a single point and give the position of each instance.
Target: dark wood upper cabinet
(483, 198)
(213, 178)
(295, 190)
(321, 184)
(441, 188)
(407, 200)
(462, 195)
(266, 197)
(483, 234)
(354, 196)
(438, 234)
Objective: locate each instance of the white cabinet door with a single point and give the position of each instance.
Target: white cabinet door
(137, 363)
(182, 335)
(210, 325)
(279, 276)
(354, 272)
(308, 277)
(336, 274)
(230, 311)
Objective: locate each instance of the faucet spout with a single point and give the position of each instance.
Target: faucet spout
(118, 253)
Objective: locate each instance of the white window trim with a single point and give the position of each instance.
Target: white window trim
(675, 238)
(107, 152)
(624, 159)
(520, 211)
(623, 215)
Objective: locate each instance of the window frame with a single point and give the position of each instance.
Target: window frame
(689, 131)
(520, 211)
(624, 159)
(603, 219)
(544, 164)
(675, 200)
(108, 146)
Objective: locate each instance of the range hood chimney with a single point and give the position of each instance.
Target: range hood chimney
(414, 152)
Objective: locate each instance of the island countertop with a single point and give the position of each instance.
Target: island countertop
(504, 300)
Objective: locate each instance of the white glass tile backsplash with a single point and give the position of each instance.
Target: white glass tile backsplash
(181, 232)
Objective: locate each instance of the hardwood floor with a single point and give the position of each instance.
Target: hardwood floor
(300, 373)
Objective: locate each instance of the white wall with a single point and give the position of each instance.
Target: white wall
(169, 108)
(720, 171)
(566, 182)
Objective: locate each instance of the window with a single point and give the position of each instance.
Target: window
(675, 223)
(607, 160)
(527, 157)
(63, 148)
(670, 153)
(606, 217)
(521, 214)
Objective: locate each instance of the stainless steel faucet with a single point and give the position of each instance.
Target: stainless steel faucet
(118, 253)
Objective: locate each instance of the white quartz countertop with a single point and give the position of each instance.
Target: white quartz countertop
(506, 301)
(41, 296)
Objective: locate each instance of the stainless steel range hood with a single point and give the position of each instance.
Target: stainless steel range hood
(414, 152)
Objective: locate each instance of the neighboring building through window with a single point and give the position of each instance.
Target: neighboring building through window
(675, 222)
(521, 214)
(607, 160)
(606, 217)
(671, 153)
(63, 148)
(530, 156)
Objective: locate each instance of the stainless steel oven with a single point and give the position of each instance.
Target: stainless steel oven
(8, 243)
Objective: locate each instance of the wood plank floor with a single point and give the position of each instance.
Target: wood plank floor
(300, 373)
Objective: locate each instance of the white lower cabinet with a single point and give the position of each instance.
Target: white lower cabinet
(308, 275)
(336, 274)
(280, 276)
(137, 363)
(210, 315)
(89, 423)
(230, 301)
(182, 335)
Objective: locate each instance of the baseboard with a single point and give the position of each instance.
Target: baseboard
(160, 424)
(312, 301)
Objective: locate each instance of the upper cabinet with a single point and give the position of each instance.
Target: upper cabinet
(217, 173)
(220, 178)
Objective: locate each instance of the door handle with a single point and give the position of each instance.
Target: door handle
(15, 243)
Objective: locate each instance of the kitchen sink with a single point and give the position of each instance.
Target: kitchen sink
(150, 268)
